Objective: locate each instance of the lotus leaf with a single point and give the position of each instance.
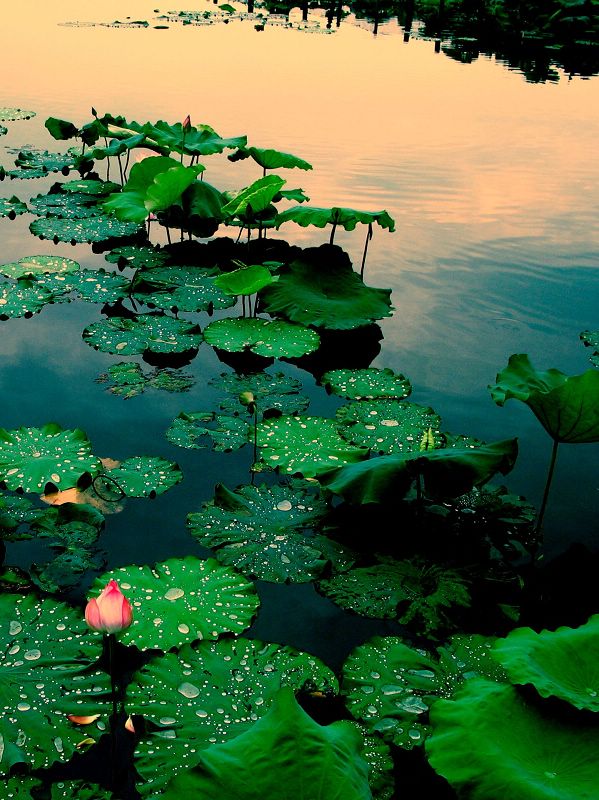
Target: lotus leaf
(100, 286)
(297, 195)
(308, 445)
(117, 147)
(77, 790)
(92, 229)
(264, 532)
(180, 287)
(12, 207)
(199, 210)
(39, 265)
(137, 256)
(145, 476)
(566, 406)
(423, 596)
(30, 458)
(129, 380)
(3, 130)
(181, 600)
(347, 218)
(147, 332)
(227, 433)
(245, 281)
(490, 740)
(264, 337)
(43, 642)
(12, 114)
(447, 472)
(61, 129)
(277, 391)
(90, 187)
(591, 339)
(201, 140)
(65, 205)
(43, 162)
(271, 159)
(391, 687)
(24, 299)
(305, 760)
(562, 663)
(367, 384)
(254, 198)
(21, 786)
(19, 517)
(377, 755)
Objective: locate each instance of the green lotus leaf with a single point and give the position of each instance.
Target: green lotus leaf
(79, 790)
(273, 159)
(30, 458)
(181, 600)
(422, 596)
(277, 391)
(44, 162)
(562, 663)
(245, 281)
(448, 472)
(167, 187)
(94, 188)
(12, 114)
(331, 296)
(591, 339)
(170, 380)
(145, 476)
(254, 198)
(377, 755)
(308, 445)
(61, 129)
(264, 337)
(347, 218)
(181, 287)
(3, 130)
(39, 265)
(65, 205)
(116, 147)
(227, 433)
(201, 140)
(137, 256)
(69, 523)
(297, 195)
(92, 229)
(367, 384)
(147, 332)
(491, 741)
(129, 380)
(21, 786)
(305, 760)
(12, 207)
(19, 517)
(391, 687)
(42, 643)
(23, 299)
(100, 286)
(390, 426)
(566, 406)
(267, 532)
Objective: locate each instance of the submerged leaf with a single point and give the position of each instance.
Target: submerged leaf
(227, 433)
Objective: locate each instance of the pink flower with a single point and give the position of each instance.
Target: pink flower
(111, 612)
(187, 123)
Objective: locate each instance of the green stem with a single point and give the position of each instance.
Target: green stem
(255, 432)
(368, 238)
(547, 486)
(113, 718)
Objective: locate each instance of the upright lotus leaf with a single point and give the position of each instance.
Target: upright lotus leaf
(12, 207)
(271, 159)
(137, 256)
(43, 642)
(245, 281)
(367, 384)
(448, 472)
(297, 195)
(591, 339)
(182, 287)
(8, 114)
(278, 391)
(23, 299)
(147, 332)
(34, 266)
(390, 426)
(562, 663)
(181, 600)
(275, 339)
(322, 289)
(190, 427)
(92, 229)
(254, 198)
(195, 140)
(61, 129)
(65, 205)
(30, 458)
(199, 210)
(92, 187)
(145, 476)
(168, 187)
(305, 760)
(490, 741)
(346, 218)
(100, 286)
(423, 596)
(308, 445)
(390, 687)
(268, 532)
(116, 147)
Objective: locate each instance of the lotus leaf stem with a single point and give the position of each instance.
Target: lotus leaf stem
(368, 238)
(547, 486)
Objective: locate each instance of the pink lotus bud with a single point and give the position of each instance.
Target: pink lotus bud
(111, 612)
(187, 123)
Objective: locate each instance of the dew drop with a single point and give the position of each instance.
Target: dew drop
(174, 594)
(33, 655)
(188, 690)
(14, 628)
(284, 505)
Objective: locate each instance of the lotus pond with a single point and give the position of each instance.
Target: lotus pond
(277, 287)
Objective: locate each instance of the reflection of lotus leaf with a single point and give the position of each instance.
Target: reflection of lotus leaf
(11, 207)
(24, 299)
(367, 384)
(278, 391)
(93, 229)
(39, 265)
(145, 476)
(227, 433)
(264, 337)
(156, 333)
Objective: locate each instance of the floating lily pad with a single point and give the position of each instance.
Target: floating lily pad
(91, 187)
(13, 114)
(23, 299)
(39, 265)
(264, 337)
(153, 332)
(65, 205)
(11, 207)
(591, 339)
(367, 384)
(41, 162)
(145, 476)
(181, 600)
(227, 433)
(180, 287)
(92, 229)
(100, 286)
(137, 256)
(3, 130)
(267, 532)
(308, 445)
(277, 391)
(129, 380)
(30, 458)
(491, 741)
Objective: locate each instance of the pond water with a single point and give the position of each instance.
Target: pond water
(494, 185)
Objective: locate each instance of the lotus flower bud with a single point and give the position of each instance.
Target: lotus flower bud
(248, 400)
(187, 123)
(111, 612)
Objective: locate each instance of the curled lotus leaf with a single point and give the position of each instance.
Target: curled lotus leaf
(591, 339)
(197, 140)
(100, 286)
(137, 256)
(254, 199)
(562, 663)
(491, 741)
(34, 266)
(182, 287)
(12, 207)
(23, 299)
(268, 338)
(245, 281)
(270, 159)
(181, 600)
(8, 114)
(278, 391)
(30, 458)
(90, 187)
(147, 332)
(227, 433)
(346, 218)
(144, 476)
(367, 384)
(92, 229)
(65, 205)
(390, 426)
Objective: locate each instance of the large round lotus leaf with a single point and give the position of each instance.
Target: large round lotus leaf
(153, 332)
(245, 281)
(305, 760)
(100, 286)
(591, 339)
(346, 218)
(227, 433)
(39, 265)
(41, 162)
(492, 743)
(212, 694)
(367, 384)
(184, 288)
(145, 476)
(32, 457)
(42, 643)
(566, 406)
(265, 532)
(12, 114)
(24, 299)
(66, 205)
(325, 296)
(136, 256)
(92, 229)
(264, 337)
(390, 686)
(423, 597)
(11, 207)
(277, 391)
(270, 159)
(390, 426)
(308, 445)
(562, 663)
(90, 187)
